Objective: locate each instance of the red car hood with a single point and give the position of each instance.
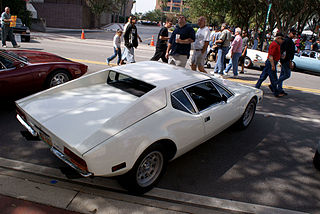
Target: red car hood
(39, 57)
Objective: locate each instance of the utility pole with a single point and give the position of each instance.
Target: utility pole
(265, 25)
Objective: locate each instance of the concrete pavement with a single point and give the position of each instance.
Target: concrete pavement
(62, 189)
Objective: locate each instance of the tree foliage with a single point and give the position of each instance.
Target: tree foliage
(252, 14)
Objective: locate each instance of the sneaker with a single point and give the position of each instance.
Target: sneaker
(4, 46)
(284, 93)
(108, 62)
(241, 72)
(16, 46)
(271, 88)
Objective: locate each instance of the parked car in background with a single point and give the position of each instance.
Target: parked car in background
(23, 72)
(254, 58)
(22, 30)
(307, 60)
(131, 120)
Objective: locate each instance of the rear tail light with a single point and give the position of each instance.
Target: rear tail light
(79, 162)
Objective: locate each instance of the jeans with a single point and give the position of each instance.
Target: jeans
(116, 53)
(255, 44)
(267, 71)
(7, 32)
(234, 64)
(285, 74)
(219, 67)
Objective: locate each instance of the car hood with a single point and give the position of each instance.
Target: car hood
(85, 117)
(40, 57)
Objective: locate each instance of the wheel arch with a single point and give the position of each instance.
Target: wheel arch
(55, 70)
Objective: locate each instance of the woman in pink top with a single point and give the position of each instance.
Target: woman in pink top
(236, 51)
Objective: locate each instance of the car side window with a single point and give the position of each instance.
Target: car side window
(204, 95)
(181, 102)
(222, 90)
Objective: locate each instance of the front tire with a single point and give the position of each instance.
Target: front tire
(146, 172)
(248, 114)
(56, 78)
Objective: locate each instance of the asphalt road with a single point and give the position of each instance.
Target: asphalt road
(270, 163)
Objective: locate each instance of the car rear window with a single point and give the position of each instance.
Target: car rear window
(128, 84)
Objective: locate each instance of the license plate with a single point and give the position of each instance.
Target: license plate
(44, 137)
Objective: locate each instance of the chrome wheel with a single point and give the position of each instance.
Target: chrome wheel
(249, 113)
(58, 78)
(149, 169)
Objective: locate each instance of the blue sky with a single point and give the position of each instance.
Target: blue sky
(144, 6)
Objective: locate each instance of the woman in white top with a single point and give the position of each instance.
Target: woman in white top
(116, 47)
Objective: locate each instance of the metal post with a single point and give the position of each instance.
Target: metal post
(265, 25)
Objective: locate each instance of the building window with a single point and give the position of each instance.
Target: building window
(175, 9)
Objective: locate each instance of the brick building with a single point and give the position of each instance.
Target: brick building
(73, 13)
(173, 6)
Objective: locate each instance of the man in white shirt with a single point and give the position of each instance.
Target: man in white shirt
(200, 46)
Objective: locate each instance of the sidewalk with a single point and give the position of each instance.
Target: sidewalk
(10, 205)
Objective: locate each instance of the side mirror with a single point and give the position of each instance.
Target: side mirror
(224, 98)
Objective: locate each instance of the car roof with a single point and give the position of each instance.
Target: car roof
(161, 74)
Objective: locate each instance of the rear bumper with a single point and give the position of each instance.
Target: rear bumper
(56, 152)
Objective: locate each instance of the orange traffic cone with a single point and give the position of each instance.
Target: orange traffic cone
(152, 42)
(82, 35)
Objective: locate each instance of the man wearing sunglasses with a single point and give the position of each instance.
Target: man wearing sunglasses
(287, 55)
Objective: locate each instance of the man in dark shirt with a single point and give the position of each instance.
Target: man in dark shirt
(270, 70)
(180, 43)
(130, 41)
(162, 43)
(287, 55)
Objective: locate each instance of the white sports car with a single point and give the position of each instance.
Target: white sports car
(131, 120)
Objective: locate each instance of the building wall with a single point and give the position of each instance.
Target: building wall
(71, 13)
(64, 13)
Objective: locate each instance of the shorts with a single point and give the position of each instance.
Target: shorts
(198, 58)
(179, 60)
(241, 59)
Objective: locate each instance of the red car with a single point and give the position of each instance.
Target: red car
(23, 72)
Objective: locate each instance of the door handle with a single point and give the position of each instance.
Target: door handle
(207, 119)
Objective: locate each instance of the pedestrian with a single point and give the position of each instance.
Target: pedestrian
(255, 40)
(236, 52)
(270, 69)
(200, 46)
(287, 52)
(308, 44)
(214, 48)
(245, 43)
(130, 41)
(179, 46)
(223, 44)
(162, 43)
(116, 47)
(315, 45)
(7, 31)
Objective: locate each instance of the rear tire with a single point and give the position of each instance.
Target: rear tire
(57, 77)
(248, 114)
(146, 172)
